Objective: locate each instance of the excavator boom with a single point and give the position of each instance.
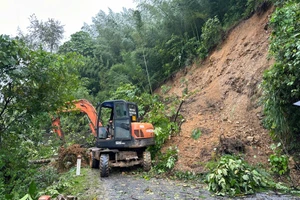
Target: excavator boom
(83, 106)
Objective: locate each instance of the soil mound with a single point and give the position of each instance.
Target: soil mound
(67, 157)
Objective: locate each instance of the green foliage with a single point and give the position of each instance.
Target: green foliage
(234, 13)
(81, 42)
(146, 46)
(34, 83)
(69, 184)
(233, 176)
(187, 175)
(32, 192)
(166, 161)
(163, 126)
(127, 92)
(196, 133)
(165, 89)
(45, 176)
(279, 163)
(2, 187)
(76, 129)
(256, 6)
(281, 86)
(212, 34)
(177, 52)
(279, 2)
(58, 188)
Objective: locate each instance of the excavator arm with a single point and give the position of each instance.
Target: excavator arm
(83, 106)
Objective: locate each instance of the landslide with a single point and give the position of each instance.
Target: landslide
(224, 103)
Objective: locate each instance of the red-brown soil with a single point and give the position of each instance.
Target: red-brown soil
(225, 103)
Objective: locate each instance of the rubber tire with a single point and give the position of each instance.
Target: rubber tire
(146, 161)
(94, 163)
(104, 165)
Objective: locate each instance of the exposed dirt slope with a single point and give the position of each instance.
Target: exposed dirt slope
(225, 103)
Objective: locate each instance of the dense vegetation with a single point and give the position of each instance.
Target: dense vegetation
(281, 82)
(128, 55)
(33, 84)
(144, 47)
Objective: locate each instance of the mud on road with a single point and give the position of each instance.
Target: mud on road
(128, 186)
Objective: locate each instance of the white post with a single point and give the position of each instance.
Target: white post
(78, 165)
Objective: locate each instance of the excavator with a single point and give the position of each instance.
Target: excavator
(122, 142)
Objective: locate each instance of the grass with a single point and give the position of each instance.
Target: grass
(79, 184)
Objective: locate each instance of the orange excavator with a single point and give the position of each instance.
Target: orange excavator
(120, 143)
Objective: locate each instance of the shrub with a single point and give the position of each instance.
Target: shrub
(196, 133)
(188, 175)
(46, 176)
(166, 161)
(233, 176)
(212, 34)
(279, 163)
(259, 6)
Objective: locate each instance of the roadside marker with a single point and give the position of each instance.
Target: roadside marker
(78, 165)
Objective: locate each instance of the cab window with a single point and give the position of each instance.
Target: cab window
(120, 110)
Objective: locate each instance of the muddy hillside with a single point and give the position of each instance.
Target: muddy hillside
(224, 102)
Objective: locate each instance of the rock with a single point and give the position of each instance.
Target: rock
(71, 197)
(249, 138)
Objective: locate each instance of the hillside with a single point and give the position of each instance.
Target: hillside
(225, 100)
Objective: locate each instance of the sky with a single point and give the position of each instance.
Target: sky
(71, 13)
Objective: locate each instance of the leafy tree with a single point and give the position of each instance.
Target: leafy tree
(212, 34)
(45, 34)
(81, 42)
(33, 84)
(281, 82)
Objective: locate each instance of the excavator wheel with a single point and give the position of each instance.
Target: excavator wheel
(146, 161)
(104, 167)
(94, 163)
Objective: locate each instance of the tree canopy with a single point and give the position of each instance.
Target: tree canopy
(147, 45)
(33, 85)
(47, 35)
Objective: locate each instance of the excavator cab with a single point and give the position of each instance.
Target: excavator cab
(118, 126)
(116, 117)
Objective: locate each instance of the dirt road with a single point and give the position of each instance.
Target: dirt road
(126, 186)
